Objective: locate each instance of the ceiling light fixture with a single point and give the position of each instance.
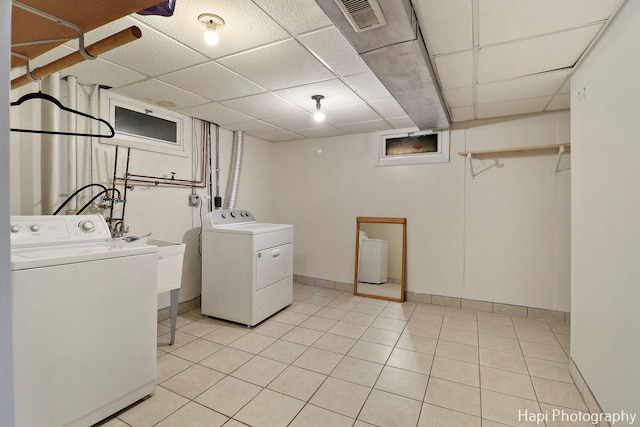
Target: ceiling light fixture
(318, 115)
(212, 22)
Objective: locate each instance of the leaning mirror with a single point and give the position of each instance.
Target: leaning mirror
(380, 257)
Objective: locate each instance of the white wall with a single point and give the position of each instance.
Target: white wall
(502, 236)
(6, 349)
(605, 318)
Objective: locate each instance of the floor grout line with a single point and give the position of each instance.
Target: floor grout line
(391, 317)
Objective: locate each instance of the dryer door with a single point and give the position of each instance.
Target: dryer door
(273, 264)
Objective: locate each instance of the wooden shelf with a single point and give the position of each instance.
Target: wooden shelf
(560, 147)
(514, 149)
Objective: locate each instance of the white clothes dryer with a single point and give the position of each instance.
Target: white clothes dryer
(247, 267)
(84, 313)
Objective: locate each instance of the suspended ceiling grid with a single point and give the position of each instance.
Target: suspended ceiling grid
(492, 58)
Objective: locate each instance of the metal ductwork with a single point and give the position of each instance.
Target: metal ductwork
(234, 172)
(387, 36)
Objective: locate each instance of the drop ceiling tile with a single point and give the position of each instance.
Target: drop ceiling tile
(103, 73)
(401, 122)
(334, 50)
(321, 132)
(246, 26)
(262, 105)
(278, 66)
(511, 108)
(460, 97)
(212, 81)
(215, 113)
(447, 25)
(153, 54)
(505, 20)
(153, 91)
(370, 126)
(388, 107)
(296, 16)
(367, 86)
(281, 137)
(254, 127)
(560, 102)
(550, 52)
(462, 114)
(455, 71)
(293, 122)
(523, 87)
(353, 113)
(334, 91)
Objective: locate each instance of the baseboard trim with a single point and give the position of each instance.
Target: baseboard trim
(463, 303)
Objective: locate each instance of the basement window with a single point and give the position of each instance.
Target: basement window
(405, 147)
(142, 126)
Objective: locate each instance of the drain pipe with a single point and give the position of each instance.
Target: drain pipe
(72, 152)
(50, 150)
(234, 173)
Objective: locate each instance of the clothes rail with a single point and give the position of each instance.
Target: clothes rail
(108, 43)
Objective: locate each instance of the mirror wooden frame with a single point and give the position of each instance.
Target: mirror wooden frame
(381, 220)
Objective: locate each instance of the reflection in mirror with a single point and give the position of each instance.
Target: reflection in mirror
(380, 257)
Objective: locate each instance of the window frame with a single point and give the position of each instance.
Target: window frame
(441, 155)
(108, 103)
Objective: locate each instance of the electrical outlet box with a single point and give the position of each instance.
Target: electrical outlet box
(194, 199)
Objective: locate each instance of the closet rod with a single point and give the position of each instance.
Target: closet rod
(116, 40)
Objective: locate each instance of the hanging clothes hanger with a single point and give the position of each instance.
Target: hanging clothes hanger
(46, 97)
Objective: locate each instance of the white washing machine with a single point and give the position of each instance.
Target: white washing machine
(84, 311)
(247, 267)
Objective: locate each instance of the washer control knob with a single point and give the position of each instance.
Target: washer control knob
(15, 228)
(34, 227)
(223, 216)
(233, 214)
(87, 226)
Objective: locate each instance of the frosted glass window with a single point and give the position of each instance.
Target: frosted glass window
(144, 125)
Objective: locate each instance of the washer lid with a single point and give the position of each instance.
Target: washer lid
(254, 228)
(44, 256)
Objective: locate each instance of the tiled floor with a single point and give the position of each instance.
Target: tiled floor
(333, 359)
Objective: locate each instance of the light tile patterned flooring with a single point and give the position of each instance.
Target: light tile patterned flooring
(334, 359)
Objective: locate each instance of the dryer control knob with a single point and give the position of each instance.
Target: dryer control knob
(15, 228)
(87, 226)
(233, 214)
(34, 227)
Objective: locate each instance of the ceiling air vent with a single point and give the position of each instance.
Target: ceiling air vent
(362, 14)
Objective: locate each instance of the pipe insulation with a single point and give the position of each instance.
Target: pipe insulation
(50, 151)
(72, 152)
(234, 172)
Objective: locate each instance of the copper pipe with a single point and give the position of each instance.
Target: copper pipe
(163, 181)
(159, 180)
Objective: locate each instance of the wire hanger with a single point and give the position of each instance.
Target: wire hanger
(46, 97)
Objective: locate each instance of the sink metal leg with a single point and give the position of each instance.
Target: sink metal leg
(173, 310)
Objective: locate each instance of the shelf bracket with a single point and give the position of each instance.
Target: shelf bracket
(560, 152)
(470, 157)
(27, 62)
